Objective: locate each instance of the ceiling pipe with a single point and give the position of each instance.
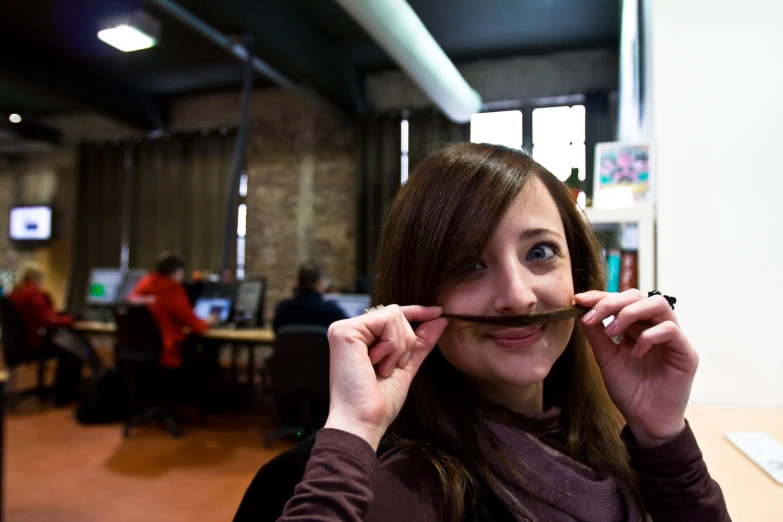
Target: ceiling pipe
(238, 50)
(394, 25)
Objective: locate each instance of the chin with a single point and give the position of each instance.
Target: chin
(522, 373)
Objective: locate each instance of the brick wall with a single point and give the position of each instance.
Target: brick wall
(301, 200)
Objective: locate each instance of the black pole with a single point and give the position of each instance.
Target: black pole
(3, 379)
(230, 232)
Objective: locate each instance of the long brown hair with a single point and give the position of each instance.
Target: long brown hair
(443, 217)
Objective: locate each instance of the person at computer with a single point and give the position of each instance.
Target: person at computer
(164, 294)
(308, 306)
(48, 331)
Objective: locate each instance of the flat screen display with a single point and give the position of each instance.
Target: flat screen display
(31, 223)
(353, 305)
(104, 286)
(208, 307)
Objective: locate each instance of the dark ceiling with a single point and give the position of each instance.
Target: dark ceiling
(52, 62)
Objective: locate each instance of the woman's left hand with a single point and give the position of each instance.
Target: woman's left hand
(649, 373)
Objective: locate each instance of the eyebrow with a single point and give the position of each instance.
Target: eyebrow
(531, 233)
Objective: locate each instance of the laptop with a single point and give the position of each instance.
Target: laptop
(352, 304)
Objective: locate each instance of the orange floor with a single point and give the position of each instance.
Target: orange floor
(59, 471)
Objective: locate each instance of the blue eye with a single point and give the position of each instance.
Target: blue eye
(542, 252)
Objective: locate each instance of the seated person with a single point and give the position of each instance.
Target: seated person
(35, 308)
(164, 294)
(307, 305)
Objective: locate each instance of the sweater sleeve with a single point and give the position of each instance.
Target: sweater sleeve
(344, 481)
(674, 480)
(338, 481)
(183, 312)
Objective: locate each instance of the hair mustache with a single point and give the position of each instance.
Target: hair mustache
(546, 316)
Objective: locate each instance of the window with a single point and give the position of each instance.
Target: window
(403, 151)
(241, 227)
(559, 139)
(499, 128)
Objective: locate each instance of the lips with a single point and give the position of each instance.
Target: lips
(518, 338)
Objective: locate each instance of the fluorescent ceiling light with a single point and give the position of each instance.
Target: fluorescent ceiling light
(130, 31)
(15, 118)
(126, 38)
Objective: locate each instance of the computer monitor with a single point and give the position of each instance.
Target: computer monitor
(249, 304)
(132, 278)
(207, 307)
(352, 304)
(30, 223)
(104, 286)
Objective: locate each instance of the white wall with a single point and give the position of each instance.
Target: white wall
(717, 110)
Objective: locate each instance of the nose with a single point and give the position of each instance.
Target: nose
(514, 289)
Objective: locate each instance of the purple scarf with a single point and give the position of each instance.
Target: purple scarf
(565, 490)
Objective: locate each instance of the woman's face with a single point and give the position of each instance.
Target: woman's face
(525, 268)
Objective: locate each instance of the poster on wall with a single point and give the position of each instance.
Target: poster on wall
(622, 175)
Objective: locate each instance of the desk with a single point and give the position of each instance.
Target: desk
(228, 335)
(751, 495)
(235, 337)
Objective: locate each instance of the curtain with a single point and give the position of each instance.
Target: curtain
(380, 158)
(173, 197)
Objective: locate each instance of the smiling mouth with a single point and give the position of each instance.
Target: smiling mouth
(518, 338)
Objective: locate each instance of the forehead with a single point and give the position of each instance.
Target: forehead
(533, 207)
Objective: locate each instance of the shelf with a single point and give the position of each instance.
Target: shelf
(599, 216)
(644, 218)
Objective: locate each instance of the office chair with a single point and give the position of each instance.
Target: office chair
(138, 351)
(299, 370)
(17, 353)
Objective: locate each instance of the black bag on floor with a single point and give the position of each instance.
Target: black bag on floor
(106, 401)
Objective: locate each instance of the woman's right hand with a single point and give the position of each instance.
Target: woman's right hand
(374, 358)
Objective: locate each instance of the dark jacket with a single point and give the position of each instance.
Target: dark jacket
(307, 307)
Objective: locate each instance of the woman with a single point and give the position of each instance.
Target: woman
(47, 331)
(498, 423)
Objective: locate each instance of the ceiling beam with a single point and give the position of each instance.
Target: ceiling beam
(289, 42)
(63, 78)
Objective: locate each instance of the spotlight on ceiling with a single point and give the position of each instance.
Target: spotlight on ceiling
(130, 32)
(14, 118)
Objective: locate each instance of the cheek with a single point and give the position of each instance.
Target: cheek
(457, 346)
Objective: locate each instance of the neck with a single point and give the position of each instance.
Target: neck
(519, 399)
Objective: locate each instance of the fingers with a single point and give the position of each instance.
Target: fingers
(392, 341)
(604, 348)
(680, 353)
(607, 304)
(428, 335)
(420, 314)
(653, 310)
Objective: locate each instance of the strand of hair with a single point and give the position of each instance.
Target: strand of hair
(547, 316)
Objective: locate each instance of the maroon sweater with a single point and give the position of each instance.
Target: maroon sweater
(344, 481)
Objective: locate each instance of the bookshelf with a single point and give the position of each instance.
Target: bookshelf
(644, 218)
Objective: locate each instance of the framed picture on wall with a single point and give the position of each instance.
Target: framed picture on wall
(622, 175)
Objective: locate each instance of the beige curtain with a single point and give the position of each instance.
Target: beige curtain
(177, 200)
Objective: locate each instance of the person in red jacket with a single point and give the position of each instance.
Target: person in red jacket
(164, 294)
(46, 331)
